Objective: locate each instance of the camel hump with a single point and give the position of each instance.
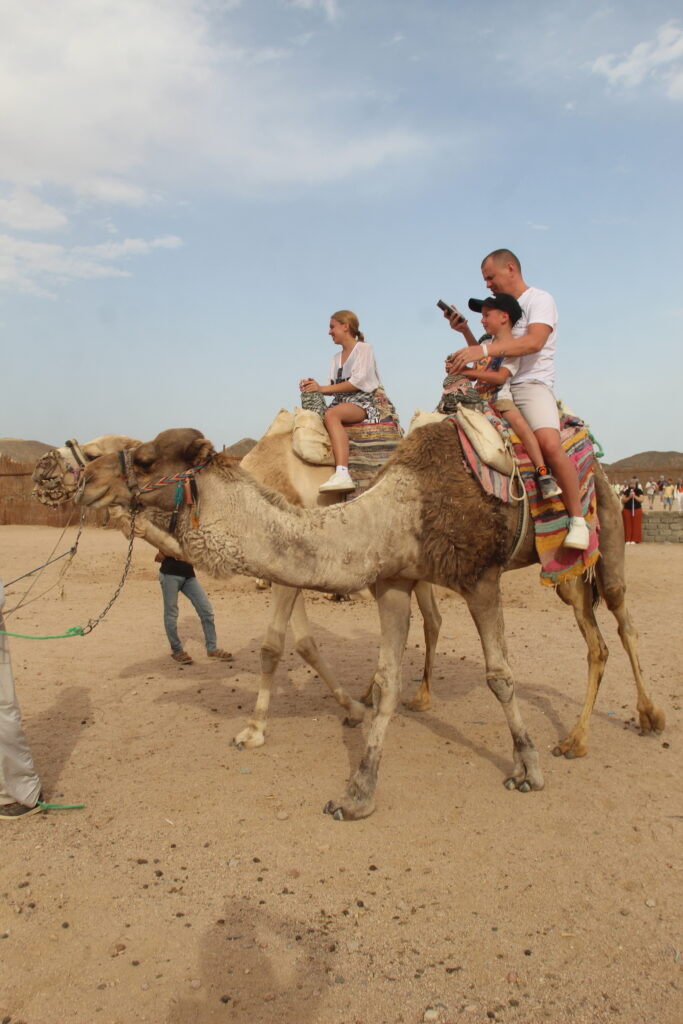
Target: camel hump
(282, 424)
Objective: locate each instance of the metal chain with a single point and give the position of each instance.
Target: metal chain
(94, 622)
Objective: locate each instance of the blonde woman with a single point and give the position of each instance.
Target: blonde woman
(356, 392)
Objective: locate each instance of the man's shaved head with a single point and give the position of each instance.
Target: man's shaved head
(503, 256)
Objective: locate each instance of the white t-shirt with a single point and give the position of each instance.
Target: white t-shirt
(511, 364)
(538, 307)
(359, 369)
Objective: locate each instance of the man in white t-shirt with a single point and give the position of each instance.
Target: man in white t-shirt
(534, 339)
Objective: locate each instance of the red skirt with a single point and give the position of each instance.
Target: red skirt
(633, 525)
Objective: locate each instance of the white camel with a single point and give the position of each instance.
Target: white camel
(424, 519)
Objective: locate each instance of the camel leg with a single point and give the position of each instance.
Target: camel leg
(611, 581)
(393, 602)
(651, 717)
(271, 652)
(579, 594)
(431, 617)
(307, 648)
(426, 599)
(486, 608)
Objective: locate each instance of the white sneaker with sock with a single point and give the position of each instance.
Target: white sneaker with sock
(578, 536)
(339, 481)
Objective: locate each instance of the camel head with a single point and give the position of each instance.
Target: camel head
(147, 474)
(58, 472)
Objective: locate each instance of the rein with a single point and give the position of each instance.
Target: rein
(186, 485)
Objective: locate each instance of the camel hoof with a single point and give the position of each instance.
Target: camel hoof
(238, 746)
(557, 751)
(524, 787)
(510, 784)
(569, 754)
(351, 722)
(336, 812)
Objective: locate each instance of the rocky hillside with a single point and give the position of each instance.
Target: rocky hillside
(23, 451)
(646, 465)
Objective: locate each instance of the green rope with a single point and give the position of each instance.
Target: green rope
(73, 631)
(599, 454)
(58, 807)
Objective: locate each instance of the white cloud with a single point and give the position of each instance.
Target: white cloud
(660, 59)
(25, 211)
(39, 267)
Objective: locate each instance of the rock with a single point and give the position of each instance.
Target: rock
(650, 903)
(431, 1014)
(282, 815)
(195, 983)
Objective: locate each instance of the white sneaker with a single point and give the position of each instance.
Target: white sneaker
(338, 482)
(578, 536)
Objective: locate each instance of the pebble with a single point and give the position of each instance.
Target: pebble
(195, 983)
(282, 815)
(650, 903)
(431, 1014)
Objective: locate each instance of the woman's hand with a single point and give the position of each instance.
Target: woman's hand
(309, 384)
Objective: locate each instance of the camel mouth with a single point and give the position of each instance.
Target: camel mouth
(91, 496)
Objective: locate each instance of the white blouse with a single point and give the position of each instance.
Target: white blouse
(359, 369)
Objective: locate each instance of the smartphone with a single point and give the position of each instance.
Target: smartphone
(449, 310)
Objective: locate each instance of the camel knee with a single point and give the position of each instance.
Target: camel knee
(306, 648)
(613, 595)
(270, 658)
(502, 687)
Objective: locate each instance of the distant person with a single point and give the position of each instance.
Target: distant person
(499, 314)
(650, 491)
(679, 494)
(178, 577)
(20, 793)
(534, 339)
(632, 498)
(354, 382)
(668, 495)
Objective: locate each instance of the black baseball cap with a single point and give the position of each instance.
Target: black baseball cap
(502, 301)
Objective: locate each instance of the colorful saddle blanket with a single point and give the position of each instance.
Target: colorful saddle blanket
(370, 445)
(558, 563)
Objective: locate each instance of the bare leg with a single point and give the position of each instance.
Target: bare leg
(393, 601)
(486, 608)
(526, 435)
(335, 418)
(562, 467)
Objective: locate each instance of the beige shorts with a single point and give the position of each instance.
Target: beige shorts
(537, 404)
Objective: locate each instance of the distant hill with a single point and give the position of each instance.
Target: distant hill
(646, 465)
(23, 451)
(241, 448)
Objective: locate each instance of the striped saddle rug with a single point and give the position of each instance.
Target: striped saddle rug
(549, 515)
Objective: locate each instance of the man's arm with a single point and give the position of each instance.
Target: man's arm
(533, 341)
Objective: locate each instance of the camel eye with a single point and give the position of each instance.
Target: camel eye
(144, 463)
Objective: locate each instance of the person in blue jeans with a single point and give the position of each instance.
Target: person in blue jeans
(177, 577)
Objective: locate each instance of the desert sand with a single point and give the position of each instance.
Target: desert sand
(202, 884)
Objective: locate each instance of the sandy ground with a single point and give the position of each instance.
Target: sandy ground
(203, 884)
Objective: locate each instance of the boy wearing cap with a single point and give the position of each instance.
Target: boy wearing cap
(499, 314)
(533, 340)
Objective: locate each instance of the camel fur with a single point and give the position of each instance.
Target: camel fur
(425, 518)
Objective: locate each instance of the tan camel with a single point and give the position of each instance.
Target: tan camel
(273, 462)
(424, 519)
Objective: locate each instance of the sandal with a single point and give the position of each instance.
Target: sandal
(182, 657)
(220, 654)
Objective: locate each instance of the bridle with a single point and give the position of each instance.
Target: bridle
(51, 489)
(186, 484)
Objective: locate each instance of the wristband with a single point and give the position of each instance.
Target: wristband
(485, 349)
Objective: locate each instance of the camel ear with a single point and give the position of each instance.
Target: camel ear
(199, 451)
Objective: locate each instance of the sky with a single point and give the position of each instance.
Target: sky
(189, 188)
